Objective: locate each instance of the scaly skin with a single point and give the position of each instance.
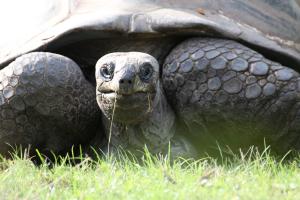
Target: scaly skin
(45, 102)
(219, 90)
(223, 91)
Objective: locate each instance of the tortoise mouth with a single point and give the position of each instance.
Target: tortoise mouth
(127, 101)
(126, 108)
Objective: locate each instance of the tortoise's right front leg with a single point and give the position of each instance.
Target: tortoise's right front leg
(45, 102)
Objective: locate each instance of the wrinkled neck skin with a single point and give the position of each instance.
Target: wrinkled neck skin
(155, 131)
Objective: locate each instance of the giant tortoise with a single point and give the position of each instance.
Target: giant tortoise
(184, 75)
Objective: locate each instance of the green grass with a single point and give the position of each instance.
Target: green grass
(244, 176)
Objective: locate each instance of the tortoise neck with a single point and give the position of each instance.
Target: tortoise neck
(155, 131)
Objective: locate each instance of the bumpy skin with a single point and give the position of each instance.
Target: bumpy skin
(223, 91)
(219, 89)
(45, 102)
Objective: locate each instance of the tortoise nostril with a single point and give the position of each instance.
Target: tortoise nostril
(125, 81)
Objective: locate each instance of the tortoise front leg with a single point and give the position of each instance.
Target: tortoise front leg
(227, 93)
(45, 102)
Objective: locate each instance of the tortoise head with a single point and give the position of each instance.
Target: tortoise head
(126, 86)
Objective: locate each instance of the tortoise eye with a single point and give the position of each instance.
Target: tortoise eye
(107, 71)
(146, 72)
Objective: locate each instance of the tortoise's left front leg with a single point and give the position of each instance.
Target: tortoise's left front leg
(225, 92)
